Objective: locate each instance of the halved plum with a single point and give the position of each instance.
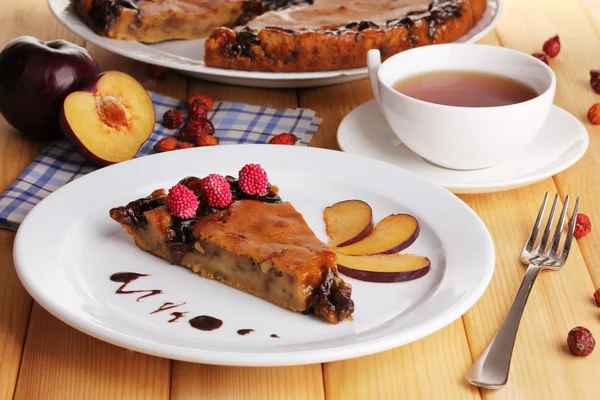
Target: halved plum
(384, 268)
(348, 222)
(109, 119)
(392, 234)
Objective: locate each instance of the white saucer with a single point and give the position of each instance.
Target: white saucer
(560, 144)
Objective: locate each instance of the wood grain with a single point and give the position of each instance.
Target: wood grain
(60, 362)
(200, 381)
(17, 18)
(431, 368)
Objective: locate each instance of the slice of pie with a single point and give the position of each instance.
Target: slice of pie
(286, 35)
(258, 244)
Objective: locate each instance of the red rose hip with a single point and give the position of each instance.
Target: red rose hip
(580, 341)
(172, 119)
(583, 225)
(595, 80)
(197, 109)
(197, 127)
(542, 57)
(597, 296)
(552, 46)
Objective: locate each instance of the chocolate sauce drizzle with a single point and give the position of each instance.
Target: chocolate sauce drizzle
(126, 278)
(205, 323)
(275, 336)
(167, 306)
(176, 315)
(244, 332)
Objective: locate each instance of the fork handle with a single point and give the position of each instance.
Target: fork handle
(491, 370)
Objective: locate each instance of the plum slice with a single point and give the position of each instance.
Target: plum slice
(391, 235)
(348, 222)
(109, 119)
(384, 268)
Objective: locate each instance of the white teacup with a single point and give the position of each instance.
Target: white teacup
(463, 138)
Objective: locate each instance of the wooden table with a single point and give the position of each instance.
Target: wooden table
(42, 358)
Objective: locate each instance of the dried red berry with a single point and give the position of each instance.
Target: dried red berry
(542, 57)
(184, 145)
(552, 46)
(197, 110)
(580, 341)
(206, 140)
(594, 114)
(166, 144)
(172, 119)
(216, 190)
(595, 80)
(197, 127)
(253, 179)
(597, 296)
(158, 72)
(204, 98)
(583, 225)
(182, 202)
(284, 138)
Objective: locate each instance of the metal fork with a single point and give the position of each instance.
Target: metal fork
(491, 370)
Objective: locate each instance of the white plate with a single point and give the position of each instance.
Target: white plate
(187, 56)
(68, 247)
(560, 144)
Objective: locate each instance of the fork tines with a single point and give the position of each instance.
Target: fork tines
(542, 252)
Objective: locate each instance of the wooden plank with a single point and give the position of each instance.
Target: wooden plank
(559, 301)
(200, 381)
(430, 368)
(17, 18)
(579, 30)
(62, 363)
(404, 372)
(58, 359)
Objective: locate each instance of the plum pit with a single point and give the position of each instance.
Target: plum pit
(112, 112)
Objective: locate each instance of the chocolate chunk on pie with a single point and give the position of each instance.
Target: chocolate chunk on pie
(259, 244)
(286, 35)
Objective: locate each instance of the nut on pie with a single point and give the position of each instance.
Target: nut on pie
(258, 244)
(286, 35)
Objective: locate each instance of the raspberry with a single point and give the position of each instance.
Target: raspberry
(198, 110)
(197, 127)
(583, 225)
(172, 119)
(580, 341)
(542, 57)
(595, 80)
(206, 140)
(597, 296)
(216, 191)
(166, 144)
(157, 72)
(253, 179)
(206, 99)
(594, 114)
(552, 46)
(182, 202)
(184, 145)
(284, 138)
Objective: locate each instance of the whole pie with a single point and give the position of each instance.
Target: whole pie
(286, 35)
(258, 244)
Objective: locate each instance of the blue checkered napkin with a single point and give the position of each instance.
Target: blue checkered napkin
(234, 123)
